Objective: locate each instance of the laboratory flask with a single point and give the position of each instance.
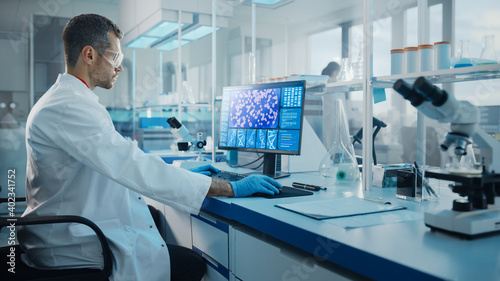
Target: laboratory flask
(488, 55)
(340, 162)
(464, 59)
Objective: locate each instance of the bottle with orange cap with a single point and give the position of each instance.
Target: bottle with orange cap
(411, 61)
(397, 61)
(425, 56)
(442, 55)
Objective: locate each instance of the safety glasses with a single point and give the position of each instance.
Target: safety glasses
(116, 58)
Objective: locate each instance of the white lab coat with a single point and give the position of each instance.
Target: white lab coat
(79, 165)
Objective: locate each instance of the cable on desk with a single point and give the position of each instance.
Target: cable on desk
(250, 163)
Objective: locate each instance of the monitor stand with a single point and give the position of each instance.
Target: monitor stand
(269, 168)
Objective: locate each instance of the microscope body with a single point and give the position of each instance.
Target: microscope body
(477, 213)
(185, 141)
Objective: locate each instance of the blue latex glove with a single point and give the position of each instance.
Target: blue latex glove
(255, 183)
(206, 170)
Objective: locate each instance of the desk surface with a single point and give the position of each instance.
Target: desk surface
(407, 250)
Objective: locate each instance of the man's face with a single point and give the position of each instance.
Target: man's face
(103, 74)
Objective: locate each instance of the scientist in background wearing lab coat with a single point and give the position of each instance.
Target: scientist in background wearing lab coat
(78, 164)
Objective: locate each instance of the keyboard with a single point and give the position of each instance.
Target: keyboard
(228, 176)
(286, 191)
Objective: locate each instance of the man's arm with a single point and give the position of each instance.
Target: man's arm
(244, 187)
(220, 188)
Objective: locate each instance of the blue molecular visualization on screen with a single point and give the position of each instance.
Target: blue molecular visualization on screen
(261, 139)
(231, 137)
(251, 137)
(241, 138)
(255, 109)
(272, 139)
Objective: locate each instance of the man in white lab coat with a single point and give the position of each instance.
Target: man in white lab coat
(79, 165)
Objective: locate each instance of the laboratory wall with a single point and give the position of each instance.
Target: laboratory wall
(255, 44)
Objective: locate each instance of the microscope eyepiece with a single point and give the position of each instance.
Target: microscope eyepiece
(174, 123)
(432, 93)
(408, 92)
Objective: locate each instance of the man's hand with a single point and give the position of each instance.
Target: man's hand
(206, 170)
(255, 183)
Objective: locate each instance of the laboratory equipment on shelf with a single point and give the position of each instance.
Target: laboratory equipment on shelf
(345, 70)
(475, 212)
(488, 55)
(397, 61)
(463, 59)
(340, 162)
(411, 59)
(357, 65)
(442, 55)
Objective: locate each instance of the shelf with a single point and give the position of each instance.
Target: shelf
(194, 105)
(472, 73)
(336, 87)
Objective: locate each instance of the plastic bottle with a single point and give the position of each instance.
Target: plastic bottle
(425, 56)
(442, 55)
(340, 162)
(411, 59)
(397, 61)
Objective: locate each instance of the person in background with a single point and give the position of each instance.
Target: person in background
(8, 121)
(78, 164)
(332, 70)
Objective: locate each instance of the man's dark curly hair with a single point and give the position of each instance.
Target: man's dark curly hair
(85, 30)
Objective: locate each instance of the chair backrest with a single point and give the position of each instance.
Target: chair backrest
(11, 255)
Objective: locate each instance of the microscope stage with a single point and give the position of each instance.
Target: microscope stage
(468, 224)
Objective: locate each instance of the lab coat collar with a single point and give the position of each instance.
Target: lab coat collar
(79, 86)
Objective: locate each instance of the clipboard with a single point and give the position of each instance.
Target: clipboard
(338, 208)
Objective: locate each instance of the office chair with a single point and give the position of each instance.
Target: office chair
(24, 272)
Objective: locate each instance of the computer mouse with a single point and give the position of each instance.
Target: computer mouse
(262, 194)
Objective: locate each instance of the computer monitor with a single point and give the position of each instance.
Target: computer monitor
(265, 118)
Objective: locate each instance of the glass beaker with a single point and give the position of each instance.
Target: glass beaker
(340, 162)
(488, 55)
(345, 70)
(464, 59)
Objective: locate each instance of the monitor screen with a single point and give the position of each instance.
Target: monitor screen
(263, 118)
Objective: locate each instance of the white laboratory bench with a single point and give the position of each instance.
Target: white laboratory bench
(252, 239)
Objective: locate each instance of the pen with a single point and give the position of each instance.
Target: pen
(378, 200)
(427, 187)
(308, 186)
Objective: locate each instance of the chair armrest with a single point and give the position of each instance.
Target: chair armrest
(106, 251)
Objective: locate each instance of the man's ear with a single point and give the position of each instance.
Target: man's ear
(88, 55)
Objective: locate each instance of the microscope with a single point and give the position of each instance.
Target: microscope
(185, 142)
(475, 212)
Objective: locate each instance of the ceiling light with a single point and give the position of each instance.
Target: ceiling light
(197, 33)
(266, 2)
(142, 42)
(163, 29)
(172, 45)
(272, 4)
